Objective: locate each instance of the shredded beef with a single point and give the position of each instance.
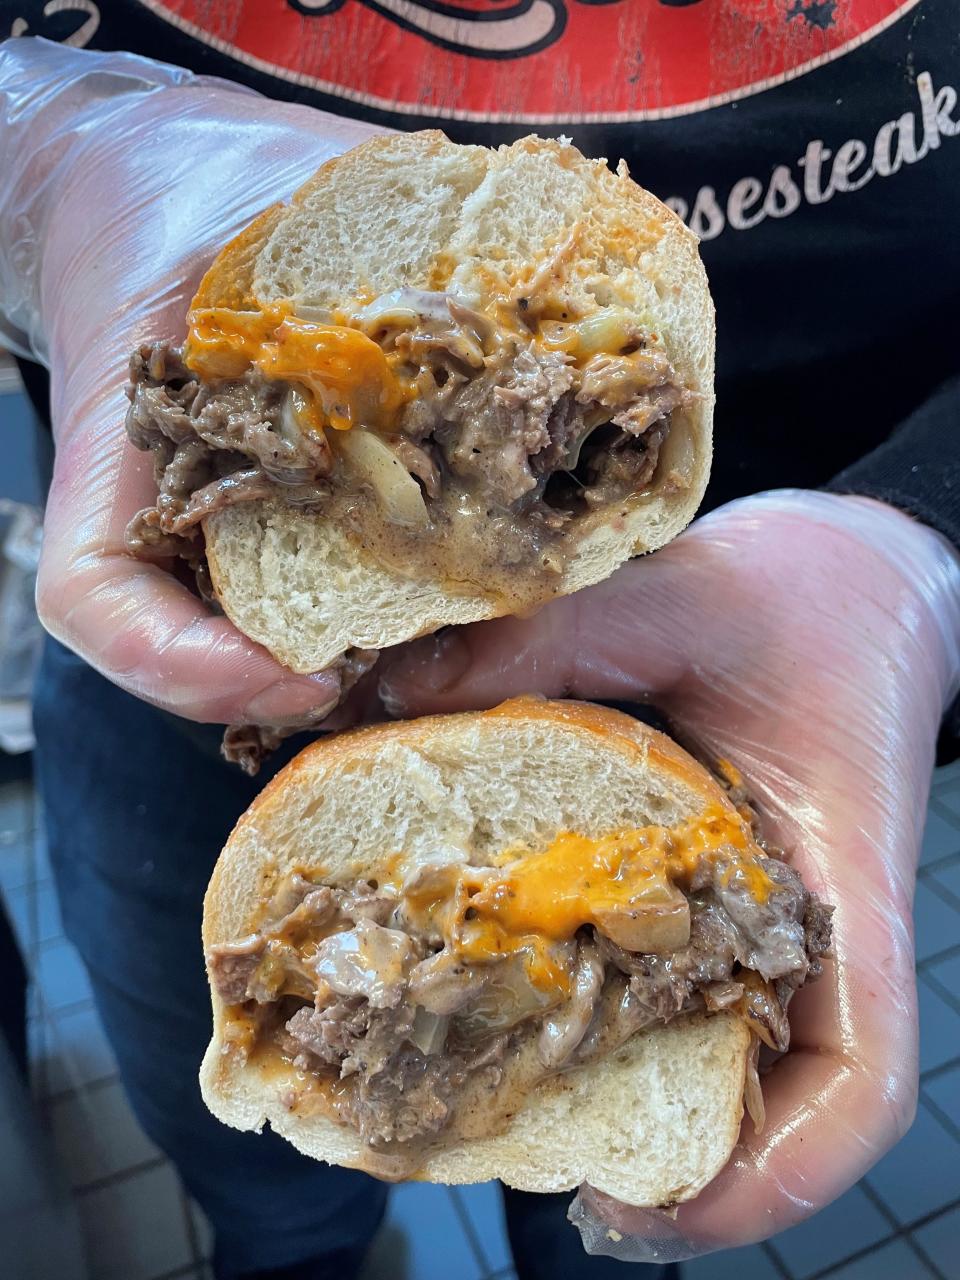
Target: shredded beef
(349, 1035)
(781, 939)
(411, 1097)
(231, 971)
(248, 745)
(407, 1025)
(613, 472)
(494, 413)
(817, 929)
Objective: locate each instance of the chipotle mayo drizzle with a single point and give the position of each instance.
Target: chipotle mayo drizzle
(349, 380)
(545, 897)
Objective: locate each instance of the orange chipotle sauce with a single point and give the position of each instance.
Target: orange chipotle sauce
(348, 374)
(544, 898)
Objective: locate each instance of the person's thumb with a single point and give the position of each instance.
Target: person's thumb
(616, 640)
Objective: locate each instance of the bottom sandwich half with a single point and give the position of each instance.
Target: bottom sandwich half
(540, 944)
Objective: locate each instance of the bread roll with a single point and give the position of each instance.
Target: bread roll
(649, 1123)
(419, 212)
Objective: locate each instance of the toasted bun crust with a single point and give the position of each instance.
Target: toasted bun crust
(650, 1124)
(417, 210)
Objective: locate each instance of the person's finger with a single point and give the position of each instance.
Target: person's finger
(599, 643)
(831, 1112)
(134, 621)
(116, 273)
(828, 1120)
(740, 600)
(846, 1090)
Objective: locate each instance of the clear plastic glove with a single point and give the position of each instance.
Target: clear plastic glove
(812, 640)
(121, 179)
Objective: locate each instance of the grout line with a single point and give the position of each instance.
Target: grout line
(948, 953)
(81, 1090)
(933, 1073)
(122, 1175)
(942, 810)
(924, 1257)
(900, 1232)
(61, 1011)
(47, 944)
(938, 1114)
(189, 1269)
(467, 1227)
(927, 1218)
(881, 1206)
(98, 1082)
(191, 1227)
(855, 1257)
(942, 892)
(773, 1256)
(943, 863)
(946, 995)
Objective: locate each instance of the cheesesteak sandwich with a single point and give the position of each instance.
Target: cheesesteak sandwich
(441, 384)
(539, 943)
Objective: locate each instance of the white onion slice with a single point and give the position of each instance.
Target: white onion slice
(313, 315)
(372, 460)
(405, 307)
(608, 330)
(429, 1031)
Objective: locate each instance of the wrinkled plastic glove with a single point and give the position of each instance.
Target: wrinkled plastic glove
(812, 641)
(122, 177)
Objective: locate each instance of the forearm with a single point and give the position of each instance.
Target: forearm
(51, 99)
(918, 468)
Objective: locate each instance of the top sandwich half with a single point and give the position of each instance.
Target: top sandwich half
(441, 384)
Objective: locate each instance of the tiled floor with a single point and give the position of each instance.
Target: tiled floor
(902, 1222)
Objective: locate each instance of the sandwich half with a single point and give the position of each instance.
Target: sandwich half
(540, 944)
(442, 384)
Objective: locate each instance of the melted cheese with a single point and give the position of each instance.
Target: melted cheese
(351, 378)
(541, 899)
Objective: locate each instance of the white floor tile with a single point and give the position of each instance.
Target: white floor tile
(941, 837)
(921, 1173)
(939, 1028)
(16, 864)
(436, 1246)
(134, 1230)
(944, 1092)
(16, 811)
(940, 1240)
(62, 977)
(203, 1229)
(936, 923)
(484, 1207)
(97, 1134)
(76, 1051)
(849, 1224)
(49, 924)
(895, 1261)
(35, 914)
(20, 904)
(948, 880)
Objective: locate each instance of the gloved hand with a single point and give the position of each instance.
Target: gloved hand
(121, 179)
(813, 641)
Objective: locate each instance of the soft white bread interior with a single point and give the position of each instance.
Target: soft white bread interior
(652, 1123)
(417, 210)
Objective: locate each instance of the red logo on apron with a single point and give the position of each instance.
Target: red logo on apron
(546, 61)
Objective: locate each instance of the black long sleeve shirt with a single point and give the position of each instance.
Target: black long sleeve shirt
(813, 145)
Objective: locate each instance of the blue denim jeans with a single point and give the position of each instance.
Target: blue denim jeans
(137, 806)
